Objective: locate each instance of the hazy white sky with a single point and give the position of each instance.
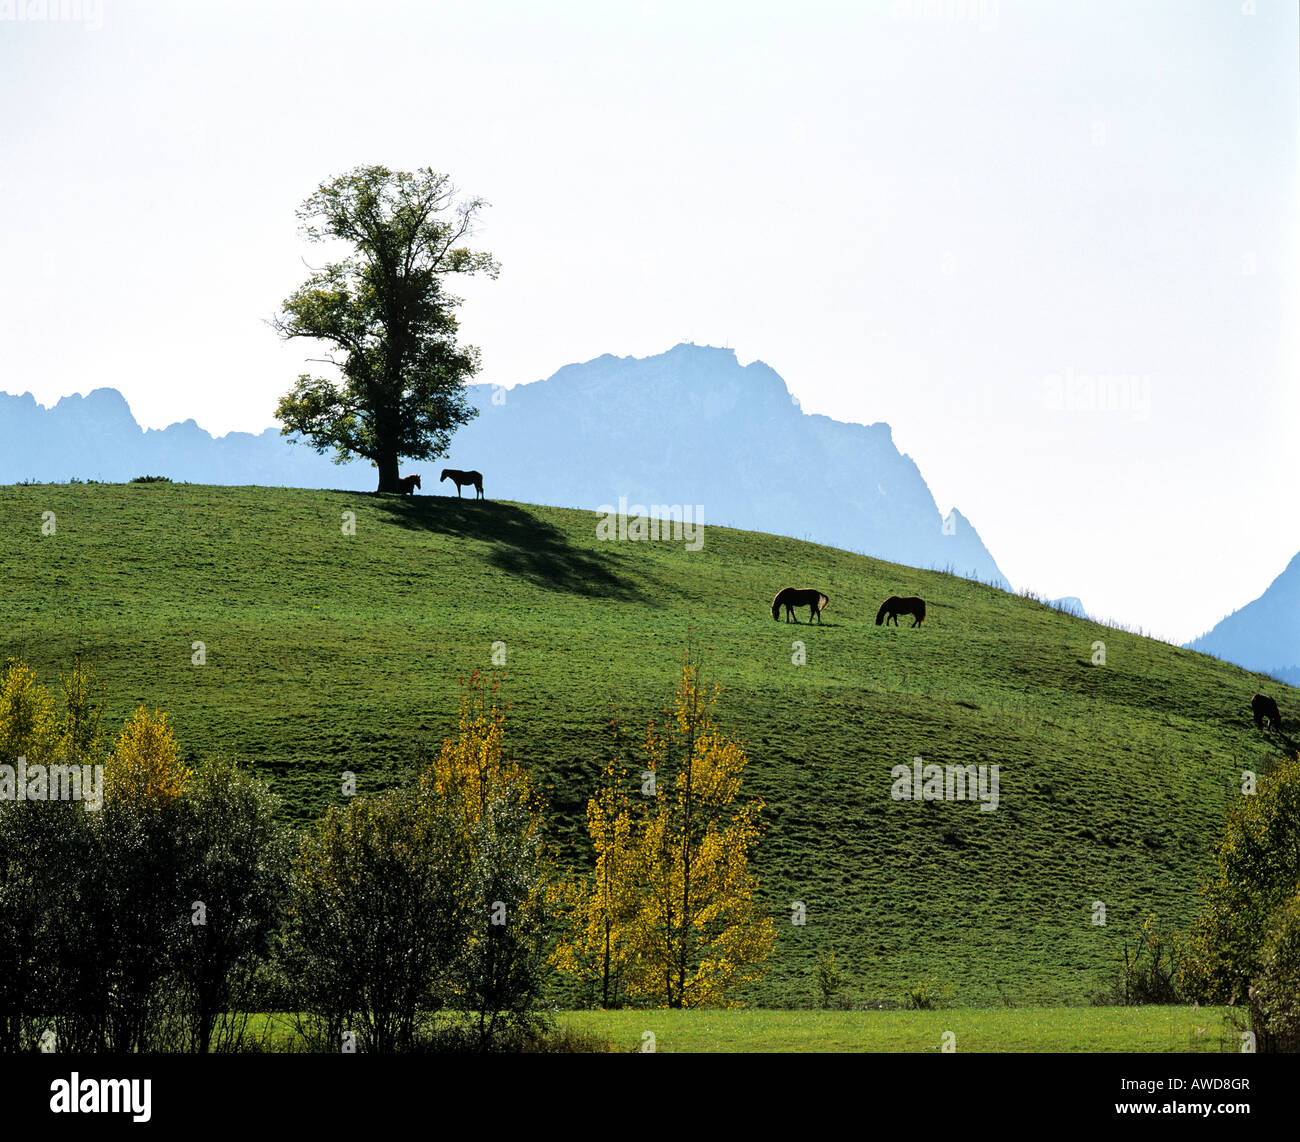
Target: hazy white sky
(951, 215)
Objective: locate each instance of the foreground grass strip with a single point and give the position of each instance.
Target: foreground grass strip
(1032, 1029)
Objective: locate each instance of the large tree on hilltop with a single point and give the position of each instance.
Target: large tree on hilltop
(385, 312)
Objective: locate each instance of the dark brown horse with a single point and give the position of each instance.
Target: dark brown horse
(1262, 706)
(894, 606)
(791, 597)
(407, 484)
(475, 478)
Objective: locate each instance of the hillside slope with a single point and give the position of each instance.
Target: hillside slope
(689, 426)
(328, 652)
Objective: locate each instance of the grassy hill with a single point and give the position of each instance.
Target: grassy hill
(328, 652)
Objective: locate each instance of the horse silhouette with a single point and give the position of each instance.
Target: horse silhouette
(1262, 706)
(407, 484)
(894, 606)
(791, 597)
(475, 478)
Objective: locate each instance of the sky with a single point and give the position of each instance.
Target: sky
(1053, 245)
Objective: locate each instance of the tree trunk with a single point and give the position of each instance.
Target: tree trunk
(389, 473)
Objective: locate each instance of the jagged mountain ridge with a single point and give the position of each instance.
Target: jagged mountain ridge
(693, 426)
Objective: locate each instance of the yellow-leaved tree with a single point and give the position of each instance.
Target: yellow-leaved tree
(598, 911)
(496, 816)
(146, 768)
(28, 727)
(472, 772)
(670, 906)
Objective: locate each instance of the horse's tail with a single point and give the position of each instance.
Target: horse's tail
(920, 611)
(880, 614)
(823, 601)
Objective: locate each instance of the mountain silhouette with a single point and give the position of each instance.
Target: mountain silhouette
(693, 427)
(1264, 635)
(688, 427)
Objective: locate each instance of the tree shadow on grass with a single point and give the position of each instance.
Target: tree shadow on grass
(522, 544)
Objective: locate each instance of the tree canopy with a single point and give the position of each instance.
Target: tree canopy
(386, 314)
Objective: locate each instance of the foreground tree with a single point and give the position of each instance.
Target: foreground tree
(1275, 993)
(670, 908)
(490, 798)
(1256, 872)
(378, 920)
(38, 851)
(386, 313)
(418, 915)
(599, 910)
(235, 860)
(134, 918)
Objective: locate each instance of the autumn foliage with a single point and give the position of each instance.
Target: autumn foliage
(146, 768)
(668, 912)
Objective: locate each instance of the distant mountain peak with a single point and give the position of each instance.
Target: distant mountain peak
(98, 402)
(1264, 635)
(693, 425)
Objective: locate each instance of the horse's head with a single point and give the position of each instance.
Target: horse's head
(776, 608)
(415, 480)
(445, 473)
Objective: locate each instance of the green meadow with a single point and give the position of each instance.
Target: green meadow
(1027, 1030)
(326, 653)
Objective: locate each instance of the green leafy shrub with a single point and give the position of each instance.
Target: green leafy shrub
(1274, 994)
(832, 982)
(922, 996)
(1256, 868)
(1146, 969)
(99, 931)
(417, 916)
(378, 918)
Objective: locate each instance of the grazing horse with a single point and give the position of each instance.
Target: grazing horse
(1262, 706)
(407, 484)
(475, 478)
(791, 597)
(893, 606)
